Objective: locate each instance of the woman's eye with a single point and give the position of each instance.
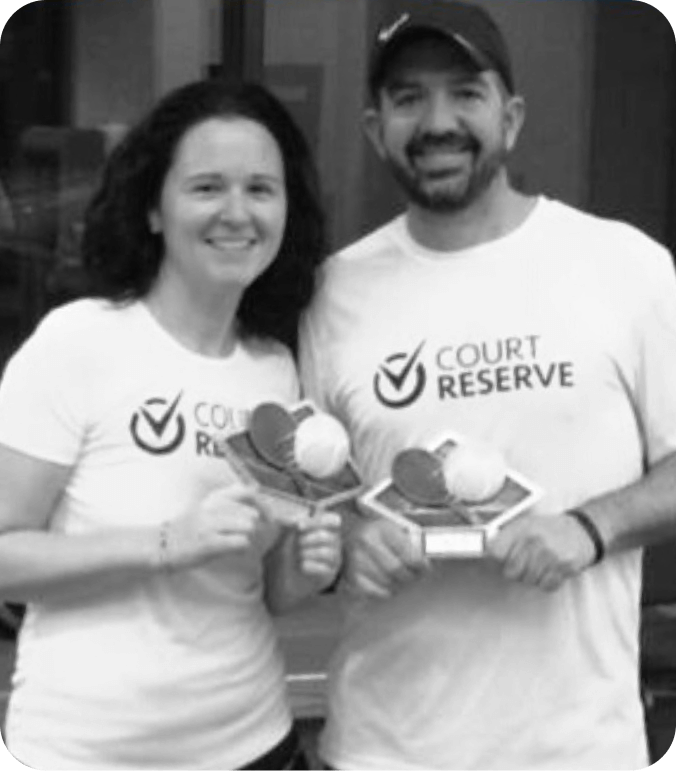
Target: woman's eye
(261, 190)
(206, 187)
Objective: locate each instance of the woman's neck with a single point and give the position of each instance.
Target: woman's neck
(204, 323)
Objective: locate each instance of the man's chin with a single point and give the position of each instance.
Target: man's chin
(441, 199)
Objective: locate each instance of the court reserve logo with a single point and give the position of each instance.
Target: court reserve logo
(400, 380)
(157, 427)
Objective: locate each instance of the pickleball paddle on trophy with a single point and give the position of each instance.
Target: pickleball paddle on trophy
(452, 496)
(296, 456)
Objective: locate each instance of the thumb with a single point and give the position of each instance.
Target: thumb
(406, 543)
(223, 497)
(244, 493)
(250, 495)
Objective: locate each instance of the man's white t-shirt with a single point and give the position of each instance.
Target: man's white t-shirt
(557, 345)
(178, 669)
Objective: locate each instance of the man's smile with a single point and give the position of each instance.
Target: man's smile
(442, 162)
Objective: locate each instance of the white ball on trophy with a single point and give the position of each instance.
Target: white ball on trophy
(474, 473)
(321, 446)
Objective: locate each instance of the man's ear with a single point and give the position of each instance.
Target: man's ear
(373, 129)
(154, 221)
(515, 117)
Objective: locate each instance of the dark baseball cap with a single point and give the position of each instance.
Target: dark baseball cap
(469, 27)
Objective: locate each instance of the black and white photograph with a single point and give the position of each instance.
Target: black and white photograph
(337, 385)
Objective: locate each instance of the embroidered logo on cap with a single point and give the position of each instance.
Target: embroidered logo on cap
(387, 32)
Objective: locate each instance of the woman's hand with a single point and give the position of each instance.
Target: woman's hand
(305, 560)
(229, 520)
(319, 547)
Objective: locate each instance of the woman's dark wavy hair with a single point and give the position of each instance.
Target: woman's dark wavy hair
(122, 258)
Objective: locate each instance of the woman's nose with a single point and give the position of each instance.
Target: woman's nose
(233, 207)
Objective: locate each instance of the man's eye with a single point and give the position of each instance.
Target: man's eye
(405, 98)
(469, 94)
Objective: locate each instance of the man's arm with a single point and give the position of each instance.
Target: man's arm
(545, 551)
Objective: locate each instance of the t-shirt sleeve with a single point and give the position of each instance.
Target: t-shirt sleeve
(43, 396)
(655, 374)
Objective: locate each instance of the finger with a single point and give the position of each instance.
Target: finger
(551, 581)
(326, 554)
(322, 520)
(230, 542)
(238, 519)
(388, 570)
(314, 538)
(365, 586)
(499, 545)
(316, 566)
(406, 574)
(396, 549)
(515, 564)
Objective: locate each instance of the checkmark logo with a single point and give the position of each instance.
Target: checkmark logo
(157, 426)
(400, 379)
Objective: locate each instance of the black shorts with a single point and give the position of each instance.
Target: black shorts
(288, 754)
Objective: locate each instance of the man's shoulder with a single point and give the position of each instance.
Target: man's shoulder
(370, 245)
(617, 251)
(581, 222)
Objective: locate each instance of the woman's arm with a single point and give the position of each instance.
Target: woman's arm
(36, 564)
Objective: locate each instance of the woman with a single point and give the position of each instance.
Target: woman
(145, 566)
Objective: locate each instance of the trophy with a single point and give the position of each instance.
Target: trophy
(298, 458)
(452, 497)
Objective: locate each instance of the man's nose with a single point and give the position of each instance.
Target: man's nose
(442, 115)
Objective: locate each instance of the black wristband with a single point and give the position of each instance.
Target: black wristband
(587, 523)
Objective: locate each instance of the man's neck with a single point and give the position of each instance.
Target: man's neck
(497, 213)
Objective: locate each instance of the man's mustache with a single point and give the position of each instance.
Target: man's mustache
(448, 141)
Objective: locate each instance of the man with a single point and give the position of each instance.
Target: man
(543, 331)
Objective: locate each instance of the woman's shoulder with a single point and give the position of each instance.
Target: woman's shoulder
(81, 314)
(82, 325)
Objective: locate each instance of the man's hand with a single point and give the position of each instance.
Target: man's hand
(381, 557)
(542, 551)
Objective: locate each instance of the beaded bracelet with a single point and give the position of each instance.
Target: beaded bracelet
(589, 526)
(163, 559)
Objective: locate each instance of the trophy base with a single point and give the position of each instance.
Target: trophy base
(453, 543)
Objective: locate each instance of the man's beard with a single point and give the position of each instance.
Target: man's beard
(445, 199)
